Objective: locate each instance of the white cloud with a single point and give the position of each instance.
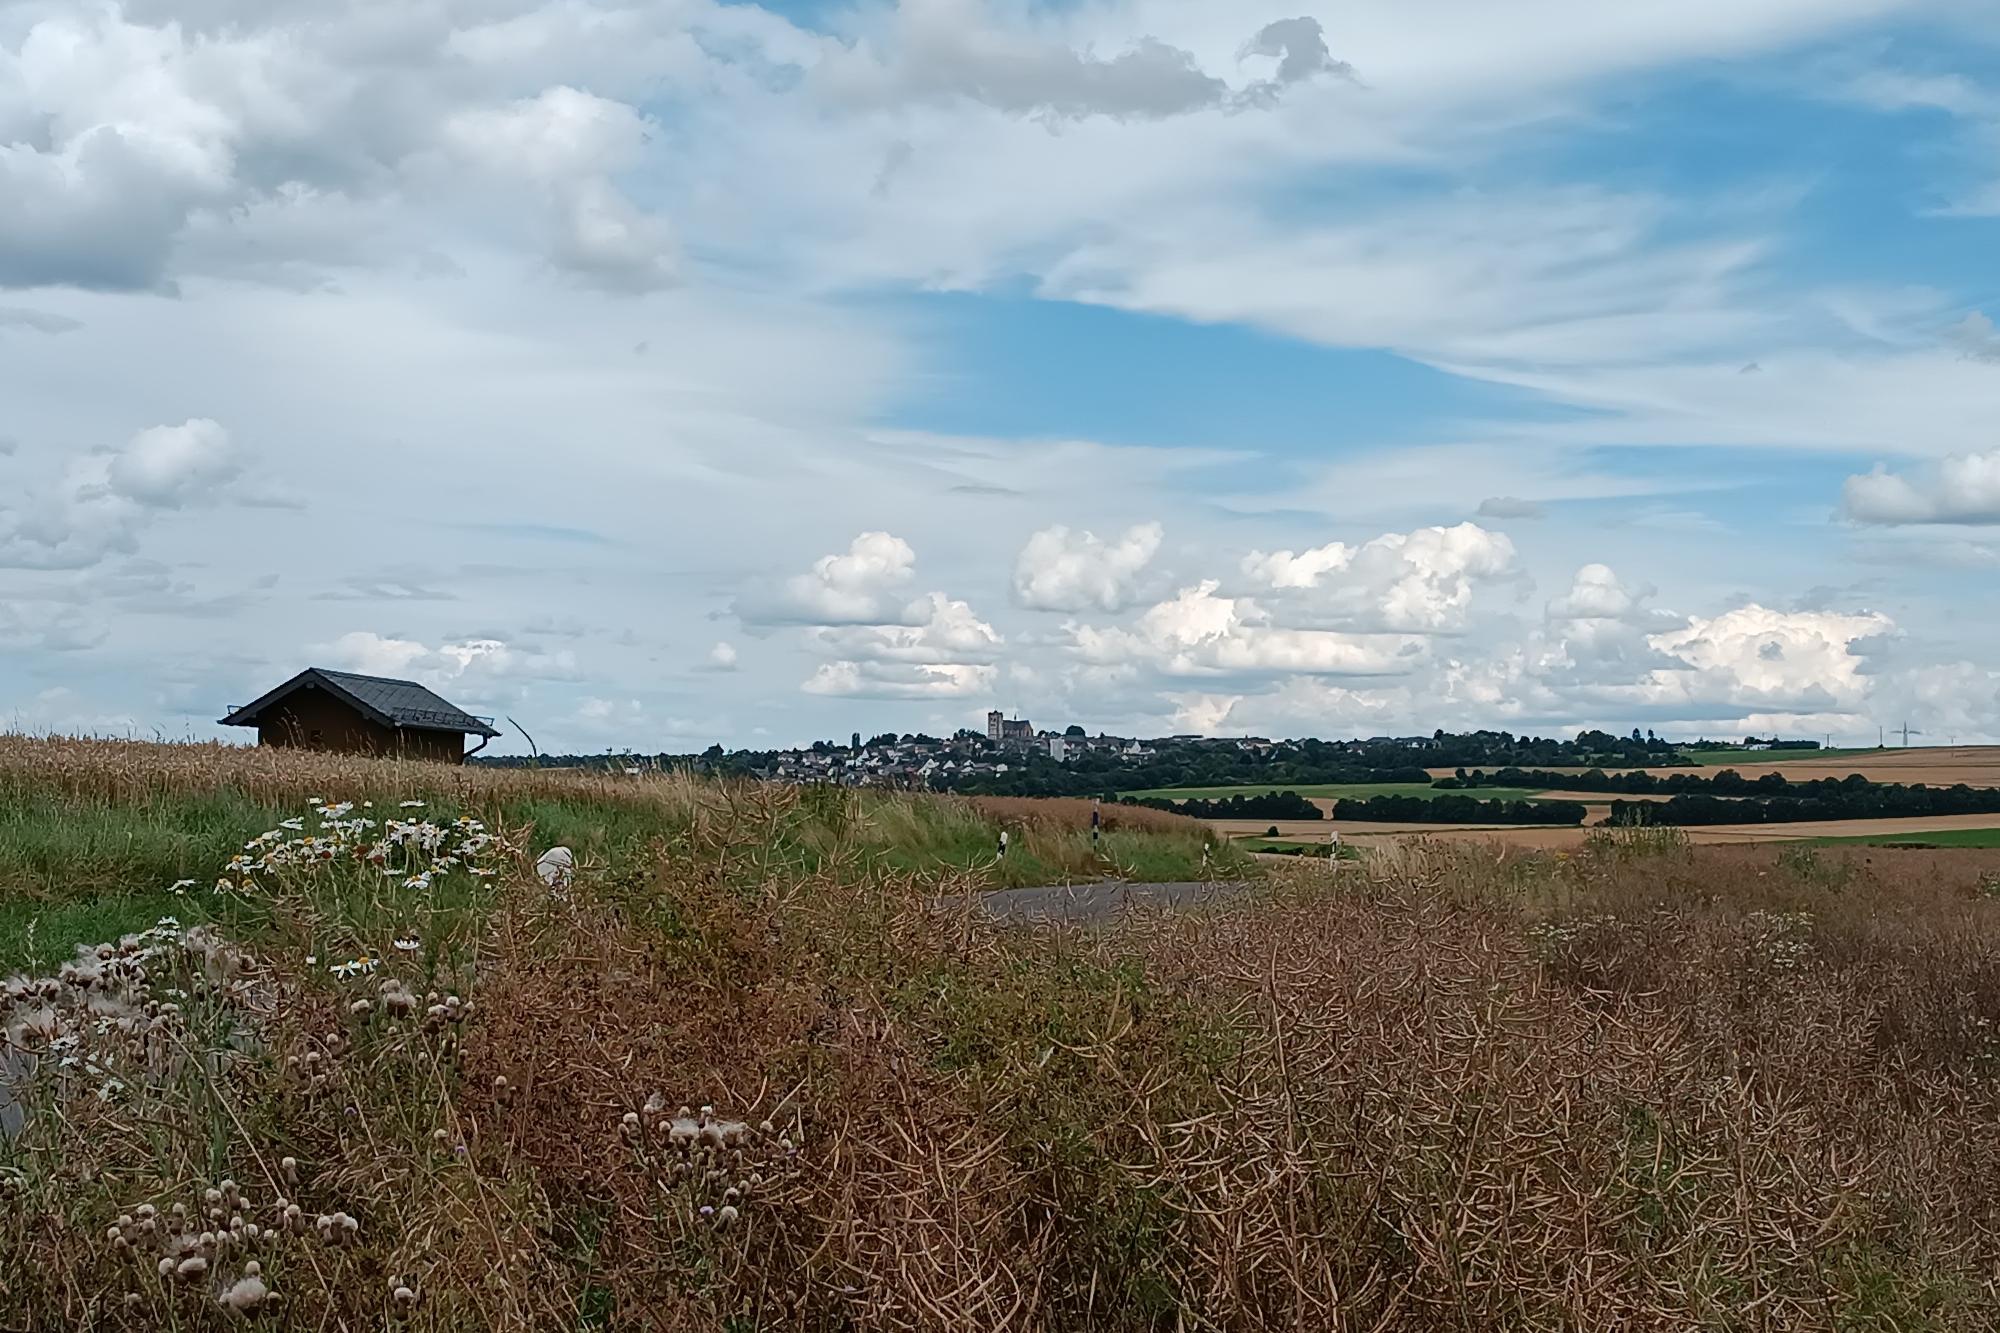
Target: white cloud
(1417, 582)
(1757, 654)
(897, 680)
(938, 631)
(867, 584)
(1597, 595)
(1964, 488)
(561, 134)
(722, 657)
(103, 501)
(568, 142)
(171, 466)
(1059, 570)
(1198, 633)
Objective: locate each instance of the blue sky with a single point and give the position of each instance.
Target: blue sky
(749, 373)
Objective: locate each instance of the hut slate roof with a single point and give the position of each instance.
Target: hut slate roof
(393, 703)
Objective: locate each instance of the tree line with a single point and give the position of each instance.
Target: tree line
(1267, 805)
(1723, 782)
(1458, 810)
(1872, 801)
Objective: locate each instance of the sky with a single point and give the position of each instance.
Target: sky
(682, 372)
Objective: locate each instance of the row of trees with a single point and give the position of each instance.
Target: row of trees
(1873, 801)
(1459, 810)
(1267, 805)
(1723, 782)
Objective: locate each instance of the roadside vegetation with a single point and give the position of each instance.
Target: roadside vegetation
(96, 835)
(750, 1072)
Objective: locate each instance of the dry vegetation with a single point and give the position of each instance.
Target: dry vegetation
(707, 1086)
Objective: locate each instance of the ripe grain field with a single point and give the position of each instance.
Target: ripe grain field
(751, 1071)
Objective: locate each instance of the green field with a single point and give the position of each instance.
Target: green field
(1334, 791)
(1956, 837)
(1734, 758)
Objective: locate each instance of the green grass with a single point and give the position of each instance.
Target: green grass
(1956, 837)
(1334, 791)
(80, 869)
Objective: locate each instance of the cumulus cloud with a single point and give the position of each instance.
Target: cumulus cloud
(1596, 594)
(1059, 570)
(569, 141)
(130, 149)
(945, 632)
(1756, 654)
(104, 500)
(867, 584)
(1416, 582)
(898, 680)
(1964, 488)
(138, 127)
(170, 466)
(559, 135)
(1199, 633)
(947, 652)
(722, 657)
(883, 643)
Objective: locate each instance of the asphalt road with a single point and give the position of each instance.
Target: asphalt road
(1079, 903)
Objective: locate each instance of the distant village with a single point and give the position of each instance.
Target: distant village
(1013, 757)
(1009, 745)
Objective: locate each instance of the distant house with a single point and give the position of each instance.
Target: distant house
(350, 714)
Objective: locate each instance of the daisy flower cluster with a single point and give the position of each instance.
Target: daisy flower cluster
(408, 846)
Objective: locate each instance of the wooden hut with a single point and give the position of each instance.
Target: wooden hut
(353, 714)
